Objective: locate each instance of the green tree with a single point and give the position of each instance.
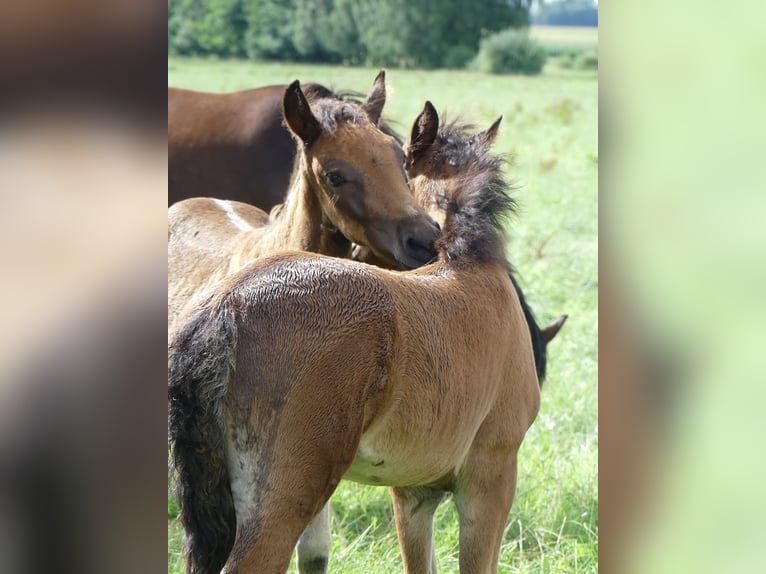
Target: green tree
(184, 18)
(222, 31)
(269, 29)
(431, 34)
(310, 20)
(396, 33)
(340, 33)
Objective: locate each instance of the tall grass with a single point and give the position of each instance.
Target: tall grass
(550, 130)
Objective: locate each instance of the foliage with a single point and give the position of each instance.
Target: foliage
(396, 33)
(567, 13)
(206, 27)
(510, 52)
(268, 29)
(575, 58)
(587, 60)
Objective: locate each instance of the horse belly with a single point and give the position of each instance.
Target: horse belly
(411, 464)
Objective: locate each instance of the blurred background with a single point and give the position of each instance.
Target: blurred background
(676, 154)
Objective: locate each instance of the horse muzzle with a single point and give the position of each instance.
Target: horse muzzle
(417, 243)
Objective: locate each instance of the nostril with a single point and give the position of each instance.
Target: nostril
(437, 226)
(413, 243)
(417, 245)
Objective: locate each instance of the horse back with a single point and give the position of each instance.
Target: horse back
(229, 146)
(312, 326)
(205, 236)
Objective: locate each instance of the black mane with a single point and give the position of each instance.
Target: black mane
(478, 203)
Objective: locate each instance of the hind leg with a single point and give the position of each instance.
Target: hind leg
(484, 497)
(283, 467)
(414, 513)
(273, 511)
(314, 544)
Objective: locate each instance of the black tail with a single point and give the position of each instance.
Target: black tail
(200, 362)
(538, 342)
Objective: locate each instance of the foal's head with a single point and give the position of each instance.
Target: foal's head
(461, 185)
(356, 172)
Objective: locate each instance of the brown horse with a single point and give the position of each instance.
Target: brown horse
(314, 544)
(302, 369)
(348, 183)
(234, 146)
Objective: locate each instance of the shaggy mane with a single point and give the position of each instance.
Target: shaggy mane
(478, 204)
(316, 92)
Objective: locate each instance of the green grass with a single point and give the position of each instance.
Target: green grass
(568, 46)
(550, 128)
(584, 37)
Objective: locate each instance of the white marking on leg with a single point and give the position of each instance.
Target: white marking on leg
(314, 544)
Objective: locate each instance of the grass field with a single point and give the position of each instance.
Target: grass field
(584, 37)
(550, 128)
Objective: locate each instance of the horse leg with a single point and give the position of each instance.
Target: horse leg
(284, 464)
(314, 544)
(484, 497)
(273, 509)
(414, 509)
(276, 495)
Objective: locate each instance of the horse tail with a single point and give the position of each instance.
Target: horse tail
(200, 363)
(539, 348)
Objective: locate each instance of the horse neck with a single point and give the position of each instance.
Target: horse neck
(300, 224)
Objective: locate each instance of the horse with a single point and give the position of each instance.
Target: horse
(314, 544)
(303, 369)
(348, 184)
(235, 146)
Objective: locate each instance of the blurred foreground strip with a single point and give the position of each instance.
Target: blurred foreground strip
(82, 361)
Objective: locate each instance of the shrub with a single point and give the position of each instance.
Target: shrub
(457, 57)
(587, 61)
(510, 51)
(574, 58)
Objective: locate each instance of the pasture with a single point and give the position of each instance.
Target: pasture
(550, 129)
(580, 36)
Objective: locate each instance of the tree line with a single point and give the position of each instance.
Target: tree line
(393, 33)
(566, 13)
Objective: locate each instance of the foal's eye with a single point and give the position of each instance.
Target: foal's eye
(335, 179)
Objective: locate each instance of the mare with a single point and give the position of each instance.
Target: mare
(348, 184)
(234, 146)
(302, 369)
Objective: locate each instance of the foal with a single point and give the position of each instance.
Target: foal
(426, 151)
(348, 183)
(234, 145)
(303, 369)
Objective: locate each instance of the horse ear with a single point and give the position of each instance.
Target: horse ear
(298, 115)
(423, 133)
(488, 136)
(376, 99)
(551, 330)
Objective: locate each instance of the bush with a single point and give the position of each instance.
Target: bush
(575, 58)
(587, 61)
(510, 51)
